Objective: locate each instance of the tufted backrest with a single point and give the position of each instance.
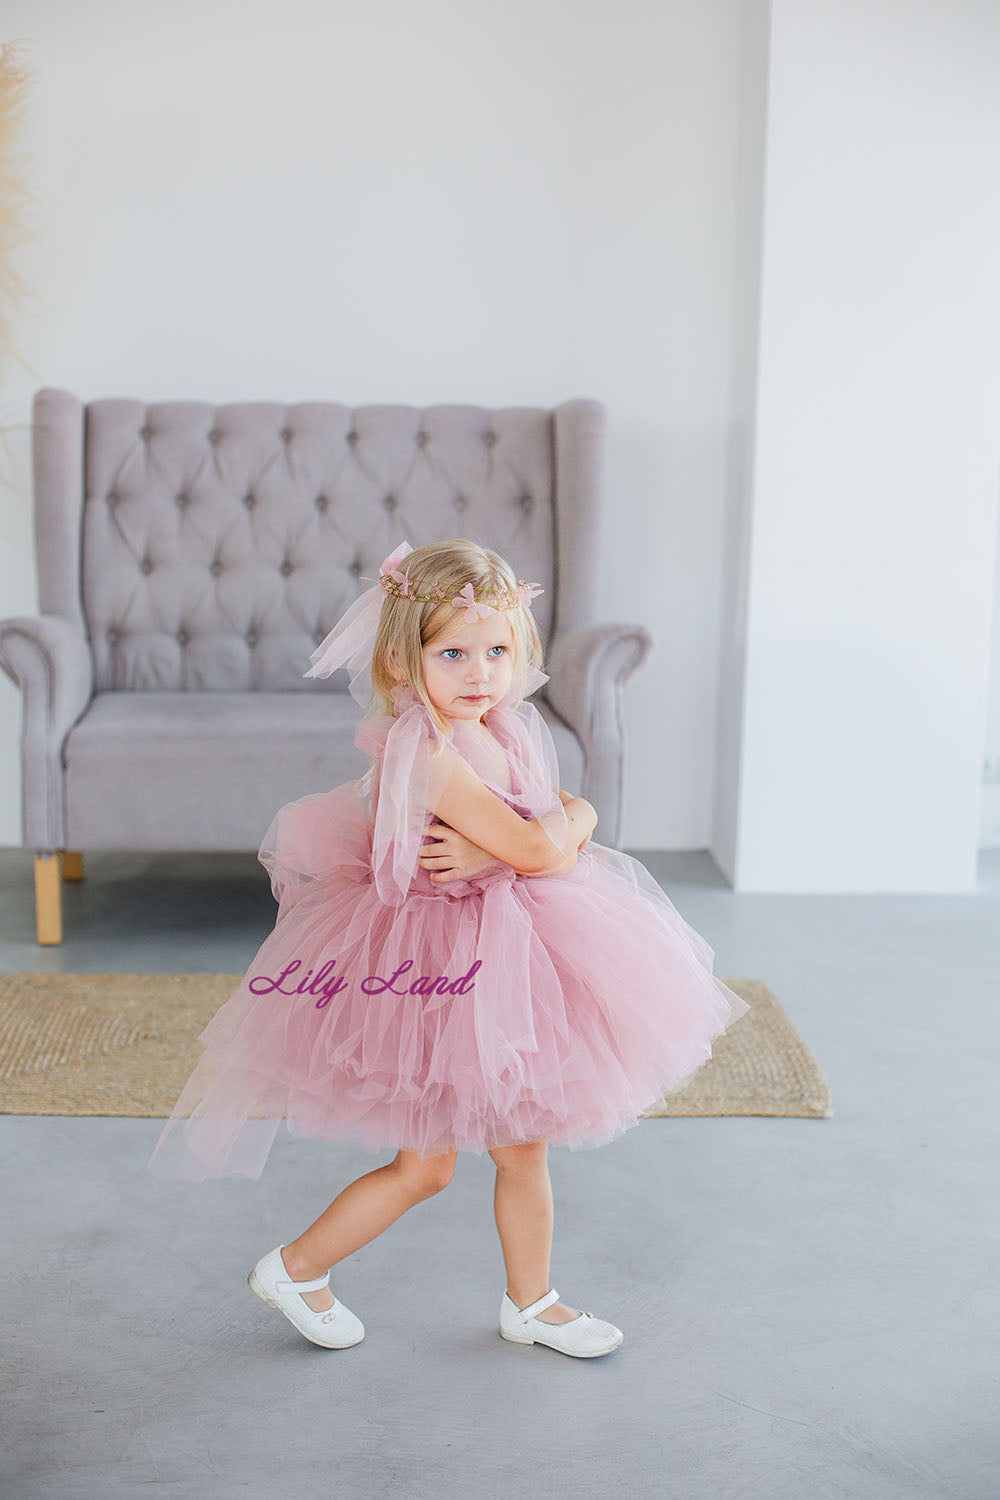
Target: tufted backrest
(213, 547)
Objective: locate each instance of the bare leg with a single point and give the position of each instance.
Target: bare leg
(522, 1204)
(361, 1211)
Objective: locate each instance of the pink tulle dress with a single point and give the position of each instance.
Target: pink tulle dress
(393, 1011)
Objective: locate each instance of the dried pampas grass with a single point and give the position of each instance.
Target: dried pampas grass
(15, 202)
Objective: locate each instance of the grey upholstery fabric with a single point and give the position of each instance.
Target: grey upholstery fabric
(191, 556)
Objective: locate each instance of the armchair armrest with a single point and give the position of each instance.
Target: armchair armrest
(51, 661)
(588, 666)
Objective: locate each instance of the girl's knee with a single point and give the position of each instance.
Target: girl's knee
(524, 1157)
(427, 1175)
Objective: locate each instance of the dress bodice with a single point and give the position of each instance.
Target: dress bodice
(509, 753)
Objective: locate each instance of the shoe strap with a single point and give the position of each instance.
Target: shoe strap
(536, 1307)
(315, 1285)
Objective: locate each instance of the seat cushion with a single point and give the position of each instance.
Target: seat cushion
(164, 770)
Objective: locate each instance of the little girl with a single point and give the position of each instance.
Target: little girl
(455, 964)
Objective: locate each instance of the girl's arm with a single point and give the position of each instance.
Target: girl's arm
(485, 819)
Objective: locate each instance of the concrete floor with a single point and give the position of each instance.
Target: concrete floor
(810, 1306)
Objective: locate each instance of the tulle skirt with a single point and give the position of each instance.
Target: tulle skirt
(473, 1014)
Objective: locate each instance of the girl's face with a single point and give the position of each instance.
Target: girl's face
(473, 660)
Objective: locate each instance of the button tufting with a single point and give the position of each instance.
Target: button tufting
(321, 502)
(286, 434)
(352, 437)
(113, 634)
(183, 637)
(389, 502)
(251, 638)
(182, 500)
(355, 568)
(489, 439)
(286, 567)
(320, 635)
(215, 567)
(249, 501)
(460, 502)
(527, 502)
(214, 435)
(422, 439)
(146, 565)
(146, 432)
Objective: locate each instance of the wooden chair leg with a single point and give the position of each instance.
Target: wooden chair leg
(72, 864)
(48, 897)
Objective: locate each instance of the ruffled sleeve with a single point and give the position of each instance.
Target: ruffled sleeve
(412, 765)
(534, 767)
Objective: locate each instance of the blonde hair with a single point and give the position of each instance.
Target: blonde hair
(406, 626)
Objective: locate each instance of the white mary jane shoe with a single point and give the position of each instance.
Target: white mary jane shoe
(335, 1327)
(583, 1336)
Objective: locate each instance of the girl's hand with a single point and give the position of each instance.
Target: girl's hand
(566, 799)
(448, 855)
(579, 808)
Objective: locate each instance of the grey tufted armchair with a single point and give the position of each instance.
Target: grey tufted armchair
(190, 557)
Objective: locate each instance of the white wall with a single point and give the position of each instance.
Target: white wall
(433, 201)
(872, 484)
(990, 829)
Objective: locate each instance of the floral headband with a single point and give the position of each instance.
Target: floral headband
(401, 586)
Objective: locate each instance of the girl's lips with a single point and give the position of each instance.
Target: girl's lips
(474, 697)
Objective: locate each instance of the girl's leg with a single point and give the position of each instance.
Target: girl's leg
(366, 1206)
(522, 1204)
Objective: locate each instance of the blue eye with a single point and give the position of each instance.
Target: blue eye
(448, 649)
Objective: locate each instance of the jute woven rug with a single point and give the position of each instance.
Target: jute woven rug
(124, 1044)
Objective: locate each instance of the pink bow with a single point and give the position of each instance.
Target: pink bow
(473, 610)
(389, 566)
